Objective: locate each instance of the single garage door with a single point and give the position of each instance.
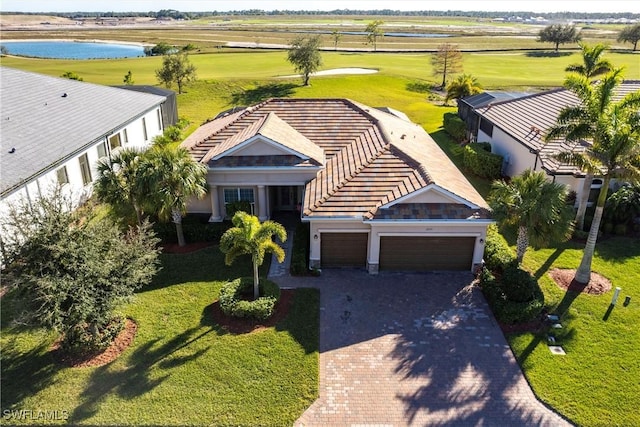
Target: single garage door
(417, 253)
(343, 249)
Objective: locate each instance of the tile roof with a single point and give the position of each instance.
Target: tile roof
(527, 119)
(46, 127)
(373, 157)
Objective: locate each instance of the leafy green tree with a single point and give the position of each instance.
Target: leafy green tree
(176, 68)
(446, 61)
(536, 206)
(462, 86)
(121, 183)
(559, 34)
(4, 51)
(613, 129)
(71, 273)
(173, 178)
(128, 78)
(304, 54)
(631, 34)
(336, 36)
(162, 48)
(250, 237)
(374, 32)
(592, 62)
(71, 76)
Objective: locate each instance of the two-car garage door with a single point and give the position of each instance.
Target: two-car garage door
(400, 253)
(418, 253)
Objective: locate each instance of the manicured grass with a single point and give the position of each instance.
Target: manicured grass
(182, 369)
(596, 383)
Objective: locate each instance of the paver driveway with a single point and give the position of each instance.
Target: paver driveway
(414, 349)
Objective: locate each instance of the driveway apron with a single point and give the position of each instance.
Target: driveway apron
(414, 349)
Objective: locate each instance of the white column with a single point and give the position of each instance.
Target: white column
(215, 204)
(262, 203)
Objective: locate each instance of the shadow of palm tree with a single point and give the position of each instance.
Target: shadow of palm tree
(262, 93)
(548, 263)
(140, 376)
(306, 333)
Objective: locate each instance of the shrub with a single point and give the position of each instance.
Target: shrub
(506, 310)
(233, 300)
(240, 205)
(481, 162)
(620, 229)
(497, 253)
(455, 126)
(518, 285)
(300, 250)
(174, 133)
(196, 228)
(80, 339)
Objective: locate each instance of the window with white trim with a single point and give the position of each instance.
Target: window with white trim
(144, 129)
(63, 177)
(114, 141)
(102, 151)
(85, 169)
(125, 135)
(232, 195)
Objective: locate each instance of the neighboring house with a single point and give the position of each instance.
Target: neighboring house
(377, 191)
(516, 129)
(468, 105)
(54, 130)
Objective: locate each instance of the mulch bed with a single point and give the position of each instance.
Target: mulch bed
(536, 325)
(174, 248)
(237, 325)
(597, 285)
(120, 344)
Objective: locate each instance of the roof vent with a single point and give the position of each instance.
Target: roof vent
(64, 95)
(13, 150)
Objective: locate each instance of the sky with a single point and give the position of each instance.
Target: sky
(225, 5)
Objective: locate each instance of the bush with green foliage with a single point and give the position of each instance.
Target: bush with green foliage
(455, 127)
(497, 253)
(235, 298)
(481, 161)
(162, 48)
(196, 228)
(505, 309)
(621, 209)
(300, 250)
(518, 285)
(238, 206)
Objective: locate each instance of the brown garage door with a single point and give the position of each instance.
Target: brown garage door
(426, 253)
(343, 249)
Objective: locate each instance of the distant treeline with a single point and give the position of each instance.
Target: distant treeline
(175, 14)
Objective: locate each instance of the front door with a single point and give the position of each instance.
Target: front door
(286, 198)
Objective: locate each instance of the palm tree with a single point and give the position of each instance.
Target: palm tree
(462, 86)
(249, 236)
(536, 206)
(613, 130)
(592, 63)
(119, 182)
(173, 177)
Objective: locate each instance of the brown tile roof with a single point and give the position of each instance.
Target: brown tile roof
(527, 119)
(442, 211)
(373, 158)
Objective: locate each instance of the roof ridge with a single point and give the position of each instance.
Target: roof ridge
(533, 95)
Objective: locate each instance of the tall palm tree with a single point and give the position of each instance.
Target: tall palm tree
(536, 206)
(592, 65)
(592, 62)
(173, 177)
(250, 237)
(119, 182)
(613, 130)
(462, 86)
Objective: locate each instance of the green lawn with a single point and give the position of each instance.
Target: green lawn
(182, 369)
(596, 383)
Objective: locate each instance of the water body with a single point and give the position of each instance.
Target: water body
(72, 50)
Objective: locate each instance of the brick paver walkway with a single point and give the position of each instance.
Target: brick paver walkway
(414, 349)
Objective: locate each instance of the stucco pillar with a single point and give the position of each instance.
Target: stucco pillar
(262, 203)
(215, 204)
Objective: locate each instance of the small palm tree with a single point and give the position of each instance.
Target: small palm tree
(119, 182)
(592, 62)
(536, 206)
(173, 177)
(250, 237)
(613, 131)
(462, 86)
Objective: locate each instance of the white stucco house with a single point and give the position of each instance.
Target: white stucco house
(376, 189)
(516, 129)
(54, 130)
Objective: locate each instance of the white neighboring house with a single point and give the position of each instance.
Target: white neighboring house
(53, 130)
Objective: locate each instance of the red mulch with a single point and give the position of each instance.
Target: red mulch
(236, 325)
(597, 285)
(120, 344)
(173, 248)
(536, 325)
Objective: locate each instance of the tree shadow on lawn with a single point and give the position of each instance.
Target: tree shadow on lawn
(618, 249)
(547, 54)
(136, 379)
(262, 93)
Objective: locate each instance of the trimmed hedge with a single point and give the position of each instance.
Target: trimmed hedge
(233, 300)
(455, 126)
(506, 310)
(481, 162)
(300, 250)
(497, 252)
(196, 228)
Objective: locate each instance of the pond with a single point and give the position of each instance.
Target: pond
(72, 50)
